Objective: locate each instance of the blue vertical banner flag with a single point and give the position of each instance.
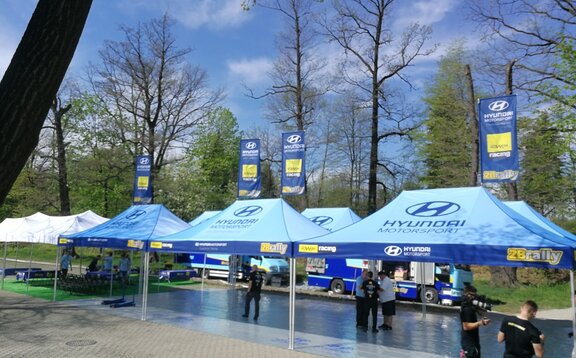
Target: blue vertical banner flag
(142, 180)
(249, 178)
(293, 181)
(498, 139)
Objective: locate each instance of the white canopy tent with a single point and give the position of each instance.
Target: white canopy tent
(45, 229)
(42, 228)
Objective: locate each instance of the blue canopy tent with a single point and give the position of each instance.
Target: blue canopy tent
(204, 216)
(130, 230)
(254, 227)
(250, 227)
(522, 208)
(460, 225)
(332, 218)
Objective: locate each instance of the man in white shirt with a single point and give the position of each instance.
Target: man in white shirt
(387, 299)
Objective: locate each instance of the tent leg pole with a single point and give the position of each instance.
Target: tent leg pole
(5, 254)
(112, 275)
(423, 289)
(292, 300)
(29, 268)
(573, 313)
(203, 274)
(56, 274)
(145, 285)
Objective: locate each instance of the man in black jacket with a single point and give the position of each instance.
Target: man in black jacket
(255, 281)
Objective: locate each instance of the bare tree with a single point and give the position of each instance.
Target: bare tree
(528, 33)
(153, 96)
(374, 56)
(297, 72)
(352, 123)
(33, 78)
(58, 111)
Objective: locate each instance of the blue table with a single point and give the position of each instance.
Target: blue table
(10, 271)
(176, 275)
(29, 275)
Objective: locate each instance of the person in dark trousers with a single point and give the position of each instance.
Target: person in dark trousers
(255, 281)
(387, 300)
(65, 263)
(470, 333)
(124, 268)
(360, 303)
(93, 266)
(522, 338)
(371, 290)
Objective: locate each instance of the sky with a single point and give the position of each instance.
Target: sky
(235, 47)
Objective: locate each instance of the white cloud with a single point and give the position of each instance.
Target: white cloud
(424, 12)
(215, 14)
(250, 72)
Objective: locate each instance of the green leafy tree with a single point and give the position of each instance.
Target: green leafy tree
(101, 170)
(544, 183)
(207, 179)
(445, 143)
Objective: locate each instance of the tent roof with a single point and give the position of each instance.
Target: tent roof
(130, 229)
(42, 228)
(204, 216)
(260, 226)
(332, 218)
(522, 208)
(465, 225)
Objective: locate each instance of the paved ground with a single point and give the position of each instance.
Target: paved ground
(34, 328)
(208, 323)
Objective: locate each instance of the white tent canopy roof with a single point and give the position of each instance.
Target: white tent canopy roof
(42, 228)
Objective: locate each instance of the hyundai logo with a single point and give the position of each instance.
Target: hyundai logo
(433, 208)
(250, 145)
(135, 214)
(322, 220)
(293, 139)
(144, 160)
(498, 106)
(393, 251)
(248, 211)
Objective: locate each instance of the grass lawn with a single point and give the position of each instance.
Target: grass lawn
(44, 290)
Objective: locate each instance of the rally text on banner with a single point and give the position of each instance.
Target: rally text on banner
(249, 178)
(498, 140)
(142, 180)
(293, 163)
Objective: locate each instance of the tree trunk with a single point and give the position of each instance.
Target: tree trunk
(507, 276)
(33, 78)
(503, 276)
(473, 180)
(63, 190)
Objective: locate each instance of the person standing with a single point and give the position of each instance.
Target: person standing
(360, 300)
(255, 281)
(470, 333)
(387, 300)
(65, 263)
(124, 268)
(371, 290)
(522, 338)
(108, 261)
(93, 266)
